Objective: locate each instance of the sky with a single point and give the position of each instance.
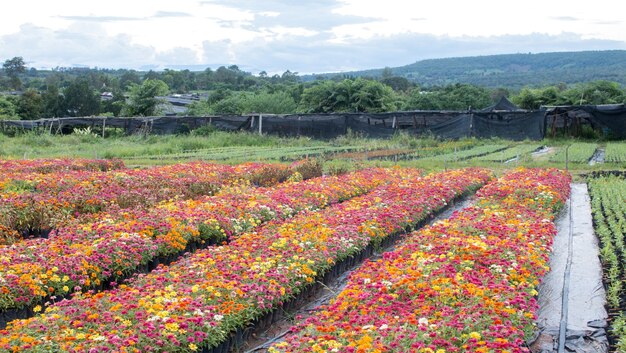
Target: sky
(301, 36)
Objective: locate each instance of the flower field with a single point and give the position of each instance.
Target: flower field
(33, 203)
(87, 255)
(608, 200)
(44, 166)
(195, 303)
(465, 284)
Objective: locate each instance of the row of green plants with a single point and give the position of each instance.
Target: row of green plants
(518, 151)
(615, 152)
(578, 152)
(265, 153)
(474, 152)
(608, 195)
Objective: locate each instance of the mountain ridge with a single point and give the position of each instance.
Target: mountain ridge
(507, 70)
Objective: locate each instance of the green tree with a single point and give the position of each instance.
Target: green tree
(594, 93)
(272, 103)
(526, 99)
(372, 97)
(530, 98)
(143, 99)
(319, 98)
(397, 83)
(13, 68)
(7, 109)
(30, 105)
(53, 102)
(358, 95)
(81, 99)
(129, 77)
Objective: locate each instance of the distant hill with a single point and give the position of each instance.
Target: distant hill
(510, 70)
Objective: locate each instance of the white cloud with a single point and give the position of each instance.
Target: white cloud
(312, 36)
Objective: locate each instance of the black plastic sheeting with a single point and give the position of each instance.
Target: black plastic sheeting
(611, 119)
(514, 125)
(503, 104)
(586, 316)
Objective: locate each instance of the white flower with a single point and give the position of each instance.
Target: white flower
(218, 317)
(422, 321)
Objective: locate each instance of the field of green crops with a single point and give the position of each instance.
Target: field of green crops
(608, 195)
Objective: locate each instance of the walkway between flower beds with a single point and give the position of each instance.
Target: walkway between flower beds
(586, 314)
(261, 340)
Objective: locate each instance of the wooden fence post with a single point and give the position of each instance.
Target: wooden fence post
(260, 124)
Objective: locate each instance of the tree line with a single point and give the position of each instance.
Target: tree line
(67, 92)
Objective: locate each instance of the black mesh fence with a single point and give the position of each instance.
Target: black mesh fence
(509, 125)
(612, 119)
(513, 125)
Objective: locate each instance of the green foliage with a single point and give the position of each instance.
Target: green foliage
(143, 99)
(615, 152)
(609, 216)
(397, 83)
(7, 109)
(272, 103)
(451, 97)
(358, 95)
(597, 92)
(30, 105)
(129, 78)
(233, 104)
(227, 102)
(535, 98)
(13, 68)
(81, 99)
(579, 152)
(53, 102)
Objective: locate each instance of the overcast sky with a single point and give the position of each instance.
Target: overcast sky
(301, 36)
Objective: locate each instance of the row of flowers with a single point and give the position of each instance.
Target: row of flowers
(464, 284)
(197, 302)
(35, 203)
(86, 255)
(13, 166)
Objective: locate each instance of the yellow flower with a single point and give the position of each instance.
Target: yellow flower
(475, 335)
(37, 308)
(193, 347)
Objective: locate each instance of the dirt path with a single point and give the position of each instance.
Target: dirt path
(261, 341)
(585, 313)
